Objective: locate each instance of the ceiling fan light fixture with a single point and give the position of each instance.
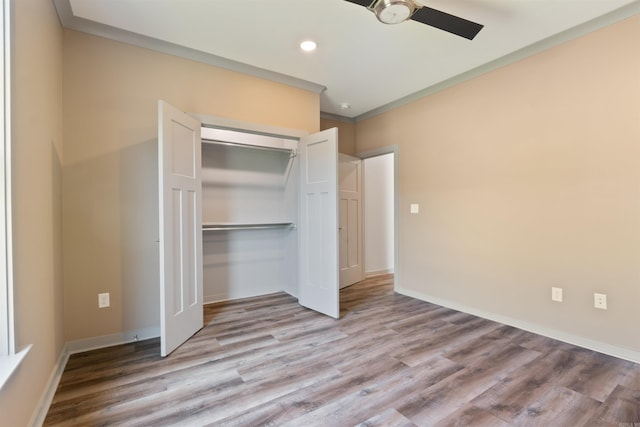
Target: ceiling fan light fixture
(393, 11)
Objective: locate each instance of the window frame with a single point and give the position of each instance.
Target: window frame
(9, 359)
(7, 338)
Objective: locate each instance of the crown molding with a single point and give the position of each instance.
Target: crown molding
(70, 21)
(542, 45)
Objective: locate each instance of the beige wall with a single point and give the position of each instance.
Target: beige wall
(346, 134)
(110, 172)
(37, 178)
(527, 178)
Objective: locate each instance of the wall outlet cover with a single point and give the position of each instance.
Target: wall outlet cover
(600, 301)
(556, 294)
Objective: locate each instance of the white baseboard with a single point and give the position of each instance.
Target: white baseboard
(95, 343)
(600, 347)
(210, 299)
(368, 274)
(37, 419)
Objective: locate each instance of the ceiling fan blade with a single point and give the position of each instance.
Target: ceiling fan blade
(446, 22)
(364, 3)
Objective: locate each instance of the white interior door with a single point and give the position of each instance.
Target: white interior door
(350, 226)
(318, 223)
(180, 188)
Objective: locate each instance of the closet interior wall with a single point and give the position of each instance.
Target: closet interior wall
(249, 215)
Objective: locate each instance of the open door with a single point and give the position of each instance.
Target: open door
(318, 223)
(180, 190)
(350, 226)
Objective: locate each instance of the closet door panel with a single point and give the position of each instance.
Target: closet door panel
(318, 223)
(180, 195)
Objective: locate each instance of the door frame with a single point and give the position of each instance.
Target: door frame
(395, 150)
(248, 127)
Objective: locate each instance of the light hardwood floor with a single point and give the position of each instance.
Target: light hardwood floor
(389, 361)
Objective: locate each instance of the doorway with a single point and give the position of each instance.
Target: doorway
(380, 209)
(379, 215)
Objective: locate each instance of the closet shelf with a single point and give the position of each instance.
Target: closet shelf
(292, 152)
(246, 226)
(265, 143)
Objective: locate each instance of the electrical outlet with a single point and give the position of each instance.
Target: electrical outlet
(600, 301)
(103, 300)
(556, 294)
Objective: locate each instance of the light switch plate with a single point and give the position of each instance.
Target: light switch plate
(556, 294)
(103, 300)
(415, 208)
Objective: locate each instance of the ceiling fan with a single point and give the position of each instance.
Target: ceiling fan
(396, 11)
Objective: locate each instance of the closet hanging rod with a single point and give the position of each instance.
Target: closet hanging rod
(233, 227)
(255, 147)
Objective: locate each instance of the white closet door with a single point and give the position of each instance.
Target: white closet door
(180, 186)
(318, 223)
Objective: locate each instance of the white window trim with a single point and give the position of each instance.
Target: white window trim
(6, 305)
(9, 359)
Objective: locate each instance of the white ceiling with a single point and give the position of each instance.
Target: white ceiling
(359, 60)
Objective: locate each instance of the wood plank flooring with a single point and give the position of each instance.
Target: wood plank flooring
(389, 361)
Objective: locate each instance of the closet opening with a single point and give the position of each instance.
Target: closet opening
(245, 210)
(249, 215)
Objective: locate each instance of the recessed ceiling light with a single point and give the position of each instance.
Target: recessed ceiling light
(308, 45)
(345, 106)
